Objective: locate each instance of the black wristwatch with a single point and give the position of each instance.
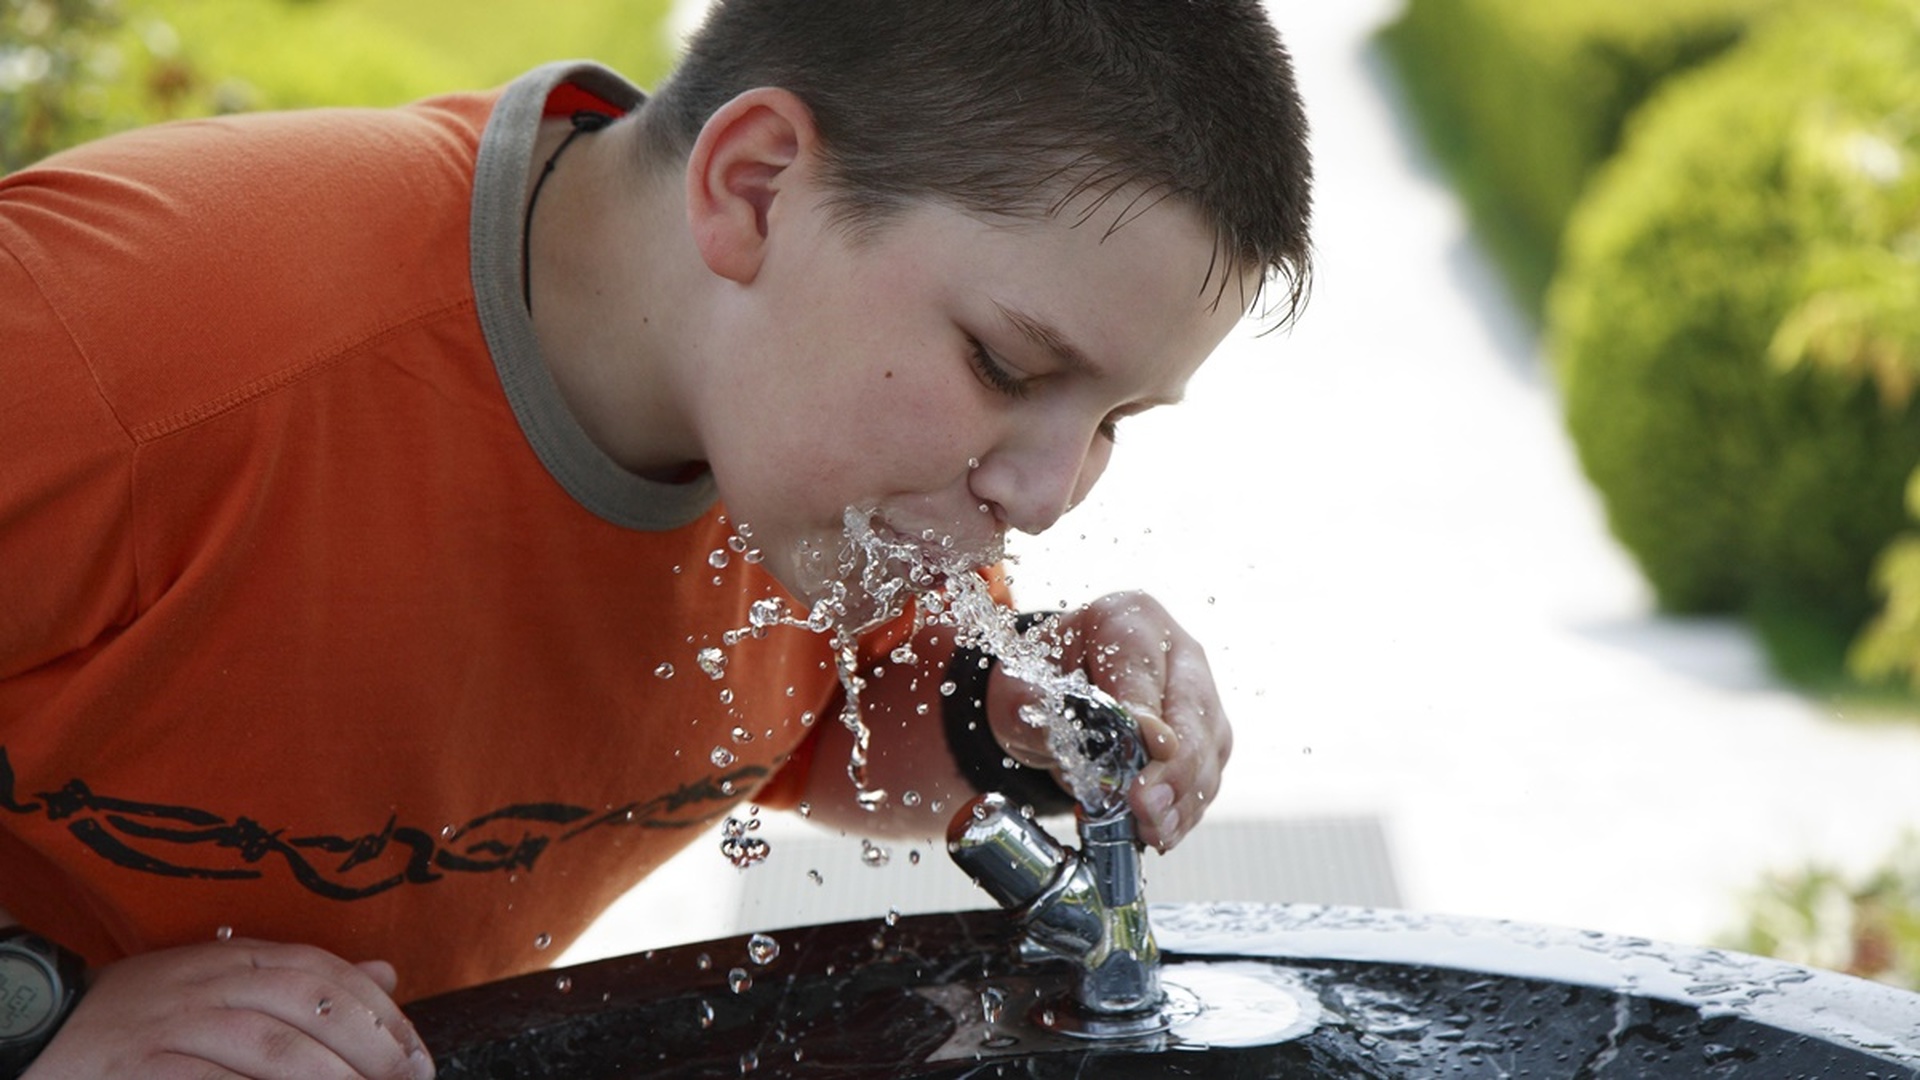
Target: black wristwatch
(39, 984)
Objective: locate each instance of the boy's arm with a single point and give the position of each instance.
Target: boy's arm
(236, 1008)
(65, 488)
(240, 1008)
(1128, 645)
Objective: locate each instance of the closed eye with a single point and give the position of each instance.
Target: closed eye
(993, 373)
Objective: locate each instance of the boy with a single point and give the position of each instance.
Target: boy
(406, 512)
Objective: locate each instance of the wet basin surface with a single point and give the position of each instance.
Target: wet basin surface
(1280, 991)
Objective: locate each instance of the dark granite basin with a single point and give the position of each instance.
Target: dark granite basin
(1270, 991)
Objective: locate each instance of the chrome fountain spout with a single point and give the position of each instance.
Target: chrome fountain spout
(1084, 906)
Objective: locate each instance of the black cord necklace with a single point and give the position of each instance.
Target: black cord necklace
(583, 121)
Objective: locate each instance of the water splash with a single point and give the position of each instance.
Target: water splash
(741, 849)
(875, 573)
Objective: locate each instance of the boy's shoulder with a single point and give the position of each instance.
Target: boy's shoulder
(188, 261)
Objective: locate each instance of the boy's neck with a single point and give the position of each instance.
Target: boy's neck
(608, 273)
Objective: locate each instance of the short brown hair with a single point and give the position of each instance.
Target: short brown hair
(1018, 106)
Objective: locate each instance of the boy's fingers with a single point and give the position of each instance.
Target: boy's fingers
(382, 974)
(347, 1008)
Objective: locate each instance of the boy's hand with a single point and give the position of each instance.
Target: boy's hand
(1129, 646)
(237, 1008)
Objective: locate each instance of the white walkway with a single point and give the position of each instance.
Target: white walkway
(1412, 602)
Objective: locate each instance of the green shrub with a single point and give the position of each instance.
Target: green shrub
(63, 76)
(1817, 917)
(1701, 323)
(293, 53)
(1522, 99)
(72, 70)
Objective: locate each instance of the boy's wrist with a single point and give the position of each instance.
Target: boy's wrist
(40, 982)
(978, 754)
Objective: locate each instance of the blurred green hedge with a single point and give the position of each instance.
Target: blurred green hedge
(1719, 381)
(71, 70)
(1521, 99)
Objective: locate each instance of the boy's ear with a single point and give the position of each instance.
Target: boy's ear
(741, 162)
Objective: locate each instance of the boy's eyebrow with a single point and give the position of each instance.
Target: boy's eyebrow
(1055, 342)
(1071, 357)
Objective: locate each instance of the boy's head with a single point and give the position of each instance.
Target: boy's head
(1018, 106)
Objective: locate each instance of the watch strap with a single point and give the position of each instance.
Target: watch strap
(981, 758)
(40, 983)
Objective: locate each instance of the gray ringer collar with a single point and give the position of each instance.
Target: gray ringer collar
(595, 480)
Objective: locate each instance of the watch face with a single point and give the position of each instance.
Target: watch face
(28, 994)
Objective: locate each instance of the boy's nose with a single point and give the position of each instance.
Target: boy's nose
(1029, 488)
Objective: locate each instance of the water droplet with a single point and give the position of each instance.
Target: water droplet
(224, 933)
(324, 1008)
(739, 980)
(739, 848)
(765, 613)
(564, 984)
(665, 671)
(742, 735)
(754, 556)
(542, 941)
(872, 799)
(814, 876)
(993, 1001)
(761, 949)
(910, 798)
(712, 661)
(893, 916)
(1307, 751)
(902, 655)
(718, 558)
(873, 854)
(736, 544)
(973, 463)
(920, 709)
(749, 1061)
(721, 756)
(705, 1012)
(805, 809)
(998, 1040)
(703, 961)
(913, 857)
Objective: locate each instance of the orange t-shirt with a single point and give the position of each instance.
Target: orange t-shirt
(319, 619)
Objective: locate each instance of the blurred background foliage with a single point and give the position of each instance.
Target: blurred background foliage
(1712, 210)
(71, 70)
(1821, 917)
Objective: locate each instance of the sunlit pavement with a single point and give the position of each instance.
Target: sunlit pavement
(1410, 599)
